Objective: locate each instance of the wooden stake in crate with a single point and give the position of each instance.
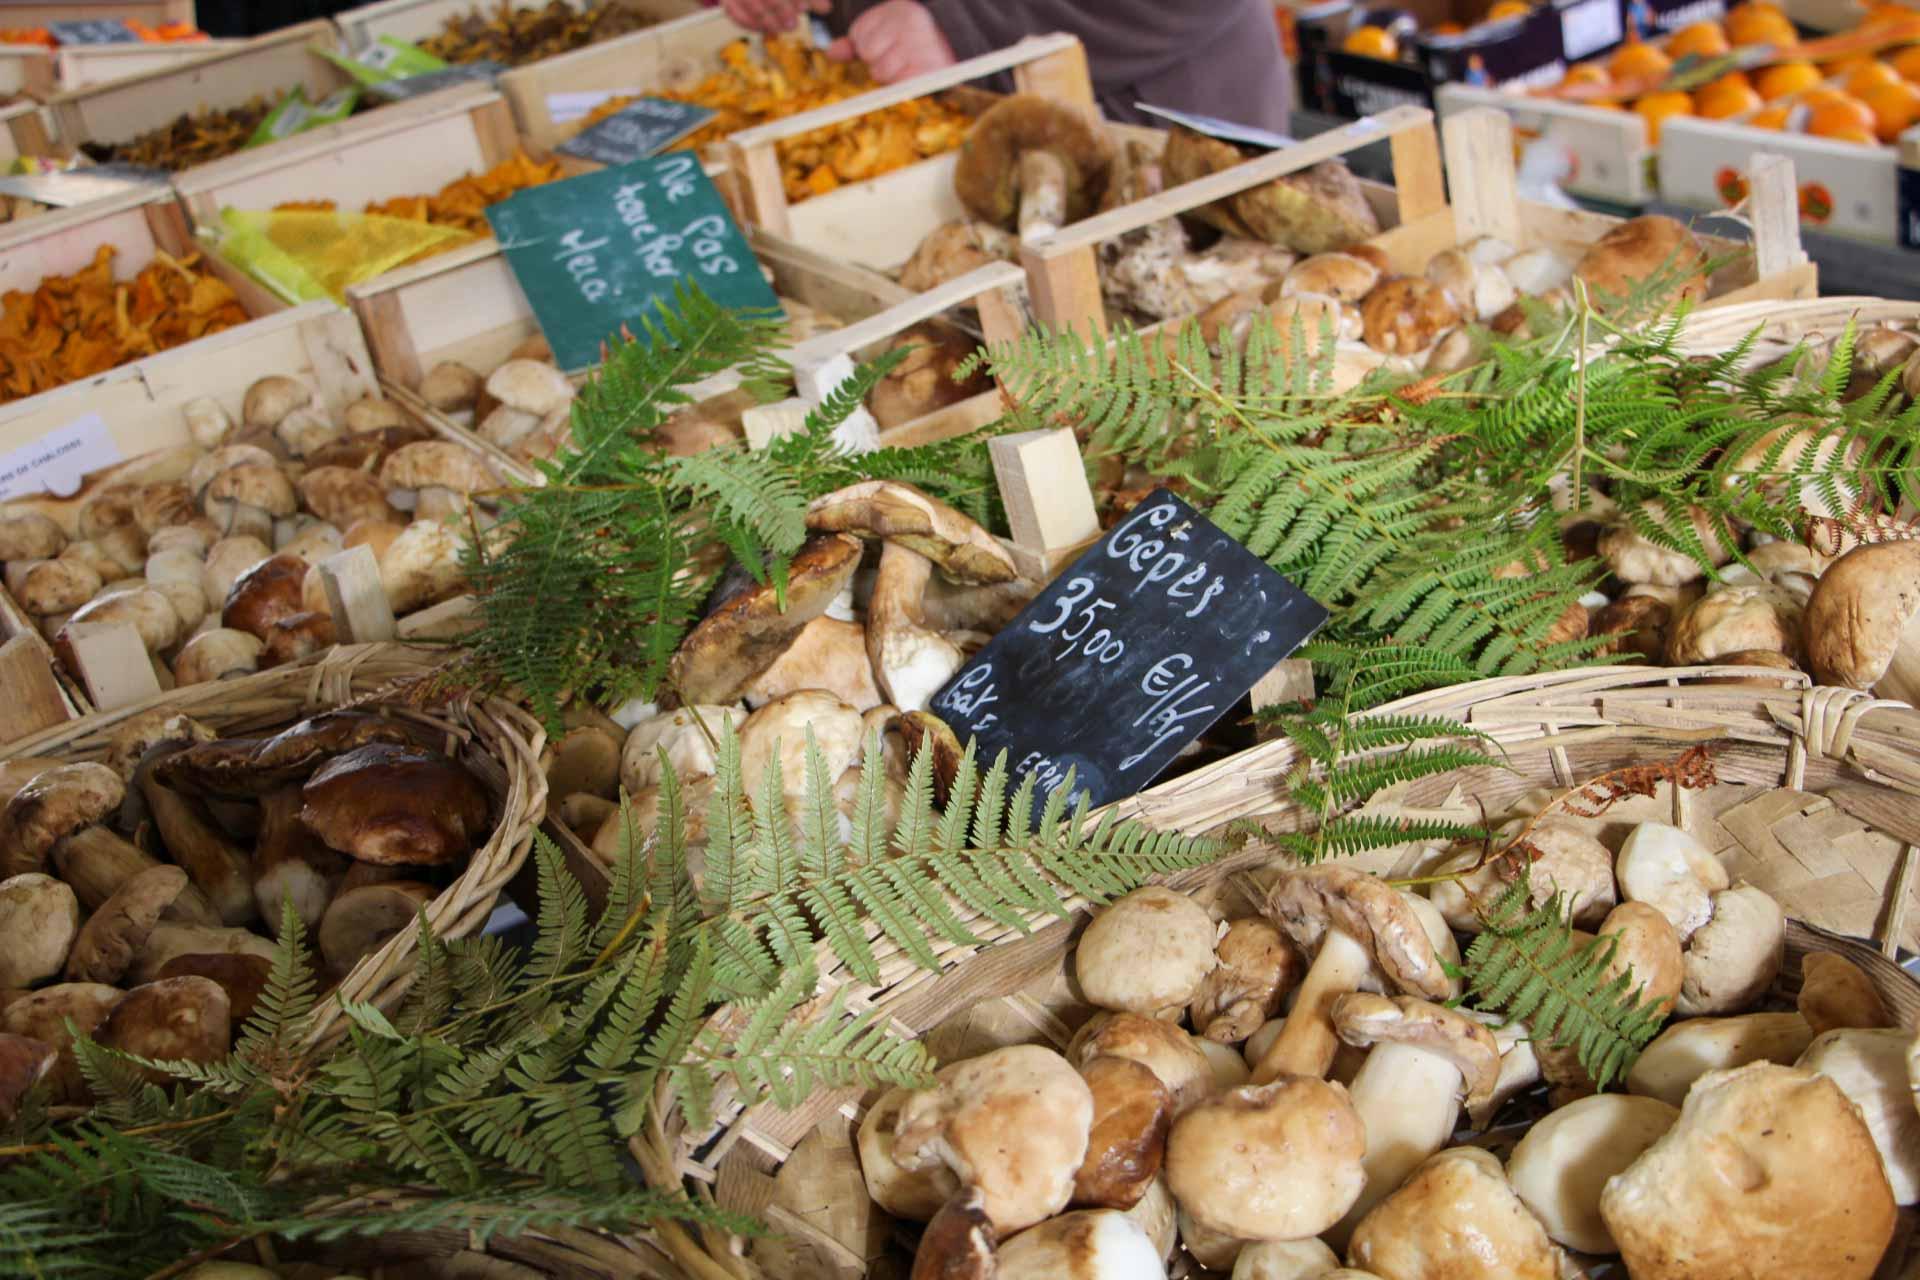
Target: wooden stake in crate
(1043, 483)
(1054, 65)
(112, 663)
(30, 696)
(361, 611)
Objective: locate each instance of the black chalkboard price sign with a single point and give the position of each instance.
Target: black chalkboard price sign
(92, 31)
(1131, 653)
(642, 128)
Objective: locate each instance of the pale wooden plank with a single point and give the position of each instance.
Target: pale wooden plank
(361, 612)
(1043, 483)
(1486, 194)
(30, 697)
(112, 663)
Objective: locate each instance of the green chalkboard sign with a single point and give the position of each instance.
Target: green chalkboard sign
(602, 250)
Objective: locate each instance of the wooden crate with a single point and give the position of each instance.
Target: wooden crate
(414, 20)
(26, 69)
(409, 148)
(154, 13)
(23, 132)
(1609, 153)
(1844, 187)
(85, 65)
(262, 67)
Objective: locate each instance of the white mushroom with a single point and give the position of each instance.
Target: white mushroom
(1870, 1066)
(1687, 1050)
(689, 736)
(207, 422)
(1668, 869)
(1561, 1164)
(1146, 953)
(1733, 958)
(911, 661)
(1088, 1244)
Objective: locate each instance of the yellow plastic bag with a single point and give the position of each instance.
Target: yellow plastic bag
(304, 255)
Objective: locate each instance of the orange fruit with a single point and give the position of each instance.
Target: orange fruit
(1445, 29)
(1787, 78)
(1870, 74)
(1842, 117)
(1372, 42)
(1894, 107)
(1657, 108)
(1827, 96)
(1638, 60)
(1907, 63)
(1586, 73)
(1702, 39)
(1725, 97)
(1777, 118)
(1508, 9)
(1752, 25)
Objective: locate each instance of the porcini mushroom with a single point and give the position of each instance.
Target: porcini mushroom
(243, 976)
(1640, 249)
(421, 565)
(1456, 1217)
(1256, 968)
(1349, 921)
(361, 921)
(171, 1020)
(1087, 1244)
(290, 863)
(1164, 1048)
(435, 479)
(1285, 1260)
(1406, 315)
(39, 920)
(1668, 1067)
(450, 387)
(247, 499)
(226, 560)
(896, 512)
(1835, 992)
(1559, 857)
(1146, 952)
(342, 495)
(827, 654)
(1033, 163)
(1561, 1163)
(914, 1194)
(46, 1014)
(1733, 958)
(264, 594)
(776, 737)
(1012, 1122)
(272, 398)
(1735, 619)
(1646, 948)
(688, 736)
(1634, 557)
(113, 934)
(30, 535)
(24, 1063)
(217, 655)
(1870, 1066)
(1424, 1061)
(741, 638)
(59, 803)
(168, 941)
(1279, 1161)
(1863, 621)
(958, 1241)
(1671, 871)
(1769, 1171)
(213, 862)
(1132, 1111)
(393, 804)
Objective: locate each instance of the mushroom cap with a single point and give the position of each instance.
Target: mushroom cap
(214, 461)
(1733, 958)
(30, 535)
(897, 512)
(420, 566)
(169, 941)
(1306, 901)
(24, 1062)
(1636, 559)
(1340, 276)
(749, 630)
(1087, 1244)
(264, 594)
(1648, 950)
(679, 733)
(43, 1015)
(374, 413)
(1312, 211)
(986, 175)
(1255, 967)
(1146, 952)
(1406, 315)
(1640, 249)
(1732, 620)
(396, 805)
(39, 918)
(272, 398)
(1565, 860)
(1835, 992)
(1455, 1217)
(297, 636)
(1561, 1164)
(360, 921)
(342, 495)
(1164, 1048)
(57, 586)
(1862, 608)
(171, 1019)
(254, 484)
(216, 655)
(112, 935)
(1870, 1066)
(255, 766)
(914, 1194)
(1012, 1122)
(1668, 869)
(58, 802)
(450, 387)
(1307, 1259)
(958, 1241)
(1127, 1141)
(777, 734)
(1769, 1171)
(366, 450)
(531, 386)
(242, 975)
(827, 653)
(1364, 1020)
(305, 430)
(161, 506)
(1690, 1049)
(227, 559)
(437, 464)
(142, 608)
(1277, 1161)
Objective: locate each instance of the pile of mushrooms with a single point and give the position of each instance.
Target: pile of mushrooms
(138, 897)
(885, 601)
(1278, 1093)
(208, 550)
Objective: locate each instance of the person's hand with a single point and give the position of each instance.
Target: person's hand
(772, 17)
(897, 40)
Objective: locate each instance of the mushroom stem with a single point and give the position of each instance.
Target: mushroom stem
(910, 662)
(1902, 677)
(1307, 1041)
(1409, 1100)
(95, 862)
(215, 864)
(440, 504)
(1043, 194)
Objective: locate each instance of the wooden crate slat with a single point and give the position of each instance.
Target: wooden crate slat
(415, 20)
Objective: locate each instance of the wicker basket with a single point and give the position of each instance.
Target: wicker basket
(497, 741)
(797, 1169)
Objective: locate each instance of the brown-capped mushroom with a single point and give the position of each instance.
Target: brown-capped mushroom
(53, 807)
(254, 766)
(342, 495)
(57, 586)
(1679, 1056)
(1561, 859)
(1733, 959)
(1406, 315)
(242, 975)
(171, 1020)
(39, 920)
(226, 560)
(1164, 1048)
(45, 1015)
(776, 736)
(1870, 1066)
(897, 512)
(290, 863)
(1312, 211)
(1087, 1244)
(1256, 969)
(361, 921)
(168, 941)
(435, 479)
(1835, 992)
(1458, 1217)
(1735, 619)
(1353, 925)
(1146, 952)
(421, 564)
(958, 1241)
(1012, 1122)
(394, 804)
(24, 1063)
(1424, 1060)
(1279, 1161)
(218, 654)
(1481, 290)
(1132, 1110)
(211, 860)
(1638, 250)
(1769, 1171)
(1647, 949)
(1340, 276)
(1033, 163)
(1564, 1160)
(1635, 558)
(264, 594)
(749, 630)
(30, 535)
(827, 653)
(306, 431)
(1863, 621)
(272, 398)
(248, 498)
(374, 413)
(147, 611)
(450, 387)
(107, 943)
(911, 661)
(925, 380)
(689, 736)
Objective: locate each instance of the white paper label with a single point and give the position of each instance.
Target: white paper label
(57, 461)
(565, 108)
(1589, 27)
